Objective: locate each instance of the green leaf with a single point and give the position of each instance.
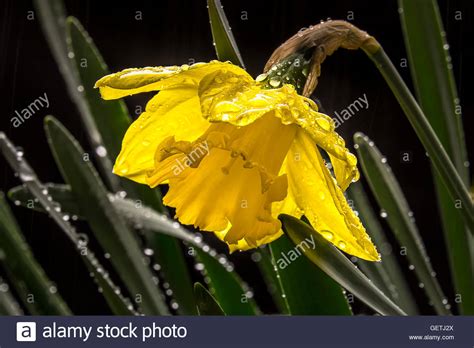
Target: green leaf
(439, 157)
(52, 18)
(332, 262)
(399, 216)
(112, 120)
(39, 193)
(386, 275)
(25, 273)
(60, 193)
(320, 294)
(107, 224)
(432, 74)
(224, 42)
(8, 303)
(206, 303)
(232, 294)
(272, 280)
(110, 117)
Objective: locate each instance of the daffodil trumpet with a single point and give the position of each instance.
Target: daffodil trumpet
(248, 150)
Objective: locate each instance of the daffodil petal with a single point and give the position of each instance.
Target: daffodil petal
(227, 98)
(323, 202)
(132, 81)
(321, 129)
(173, 112)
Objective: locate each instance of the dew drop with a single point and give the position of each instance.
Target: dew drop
(101, 151)
(148, 252)
(275, 82)
(341, 245)
(383, 214)
(256, 257)
(411, 267)
(327, 234)
(80, 88)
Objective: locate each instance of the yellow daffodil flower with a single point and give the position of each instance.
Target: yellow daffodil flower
(236, 155)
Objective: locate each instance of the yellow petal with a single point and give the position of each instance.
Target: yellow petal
(132, 81)
(317, 194)
(321, 129)
(173, 112)
(226, 97)
(229, 189)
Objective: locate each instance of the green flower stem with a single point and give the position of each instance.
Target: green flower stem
(426, 134)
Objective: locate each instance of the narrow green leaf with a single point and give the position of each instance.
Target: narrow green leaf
(39, 192)
(390, 197)
(387, 274)
(107, 224)
(438, 155)
(206, 303)
(8, 303)
(110, 117)
(232, 294)
(52, 18)
(432, 74)
(112, 120)
(332, 262)
(224, 42)
(272, 280)
(25, 273)
(60, 193)
(320, 294)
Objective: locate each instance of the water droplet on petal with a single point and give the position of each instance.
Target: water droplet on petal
(327, 234)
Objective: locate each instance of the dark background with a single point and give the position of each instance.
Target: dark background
(177, 32)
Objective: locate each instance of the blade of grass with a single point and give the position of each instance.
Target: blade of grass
(206, 303)
(8, 303)
(112, 120)
(39, 191)
(390, 275)
(332, 262)
(432, 74)
(107, 224)
(320, 294)
(224, 42)
(25, 273)
(390, 197)
(53, 22)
